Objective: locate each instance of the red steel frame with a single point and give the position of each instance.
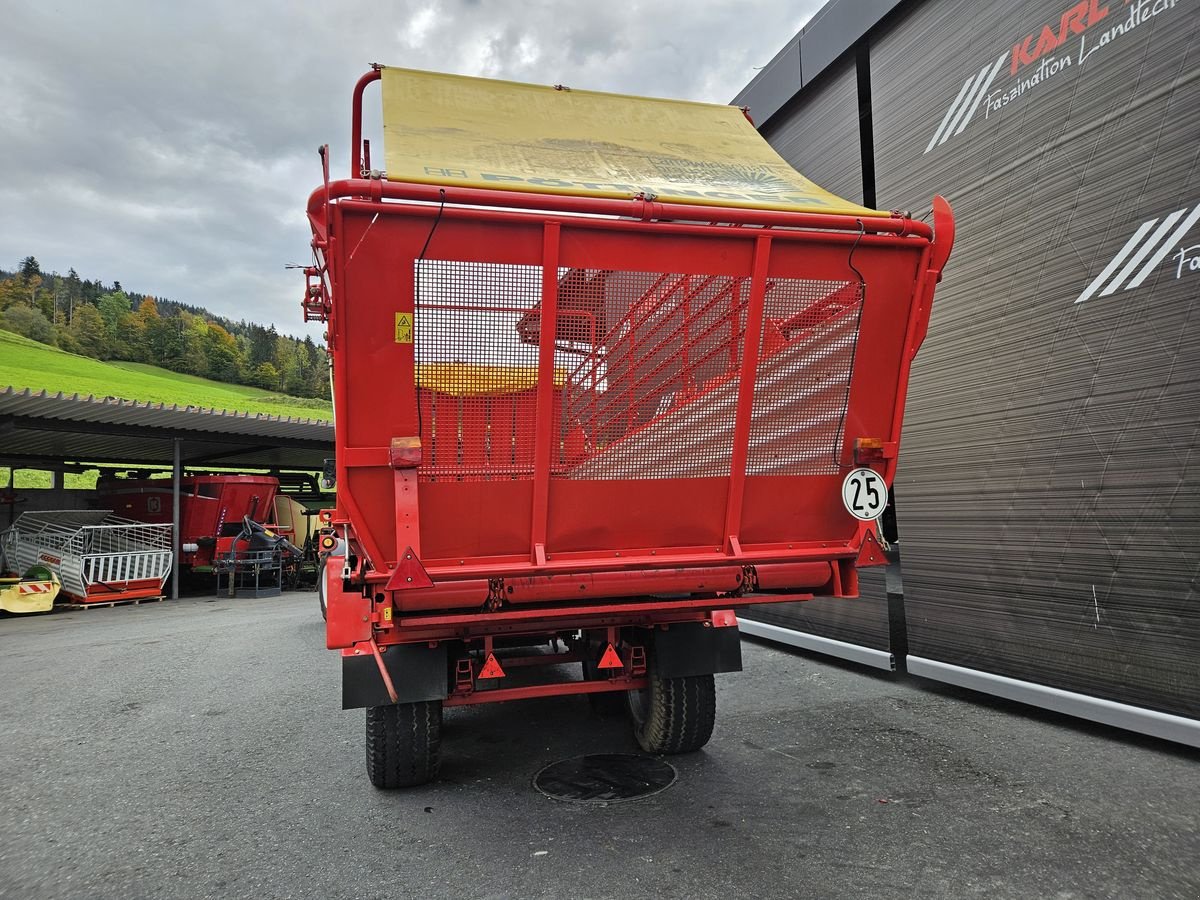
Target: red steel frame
(389, 593)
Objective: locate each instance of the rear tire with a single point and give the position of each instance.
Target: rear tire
(674, 715)
(404, 743)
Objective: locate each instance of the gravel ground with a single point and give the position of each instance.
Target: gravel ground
(196, 749)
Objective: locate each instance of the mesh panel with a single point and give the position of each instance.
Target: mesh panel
(810, 331)
(476, 352)
(645, 370)
(656, 397)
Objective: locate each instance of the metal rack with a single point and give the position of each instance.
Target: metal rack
(98, 556)
(249, 573)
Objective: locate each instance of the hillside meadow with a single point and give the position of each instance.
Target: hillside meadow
(28, 364)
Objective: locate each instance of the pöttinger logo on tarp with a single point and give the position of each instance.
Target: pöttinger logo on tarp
(1042, 55)
(1144, 251)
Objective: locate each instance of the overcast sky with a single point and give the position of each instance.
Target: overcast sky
(172, 146)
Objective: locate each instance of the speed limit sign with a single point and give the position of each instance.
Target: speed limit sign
(864, 494)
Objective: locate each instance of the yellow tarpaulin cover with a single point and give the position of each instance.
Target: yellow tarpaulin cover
(476, 132)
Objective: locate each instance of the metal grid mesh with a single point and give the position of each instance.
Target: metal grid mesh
(656, 397)
(645, 372)
(476, 376)
(810, 332)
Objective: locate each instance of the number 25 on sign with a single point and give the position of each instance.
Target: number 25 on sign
(864, 494)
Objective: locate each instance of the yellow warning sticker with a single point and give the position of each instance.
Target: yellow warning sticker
(404, 328)
(387, 614)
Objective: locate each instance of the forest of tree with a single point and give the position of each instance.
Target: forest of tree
(107, 322)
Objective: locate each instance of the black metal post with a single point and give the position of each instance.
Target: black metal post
(176, 478)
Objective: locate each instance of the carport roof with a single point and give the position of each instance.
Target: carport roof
(40, 428)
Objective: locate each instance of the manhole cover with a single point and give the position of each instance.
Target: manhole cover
(604, 778)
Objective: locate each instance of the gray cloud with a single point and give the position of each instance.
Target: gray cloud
(172, 146)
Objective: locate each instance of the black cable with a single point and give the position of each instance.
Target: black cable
(417, 300)
(437, 219)
(850, 260)
(857, 328)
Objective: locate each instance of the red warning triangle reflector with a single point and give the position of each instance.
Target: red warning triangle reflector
(870, 553)
(610, 660)
(408, 574)
(491, 668)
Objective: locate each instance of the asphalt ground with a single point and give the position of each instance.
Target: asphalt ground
(197, 749)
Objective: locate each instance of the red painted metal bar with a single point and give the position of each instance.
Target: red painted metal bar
(792, 575)
(471, 631)
(498, 695)
(544, 423)
(540, 589)
(356, 121)
(346, 507)
(689, 378)
(529, 621)
(547, 617)
(407, 519)
(384, 674)
(441, 570)
(745, 402)
(929, 274)
(324, 232)
(600, 206)
(493, 216)
(364, 457)
(544, 659)
(444, 596)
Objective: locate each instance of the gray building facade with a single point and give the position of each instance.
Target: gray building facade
(1048, 497)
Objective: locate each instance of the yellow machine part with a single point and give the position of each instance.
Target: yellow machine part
(29, 595)
(483, 133)
(466, 379)
(290, 513)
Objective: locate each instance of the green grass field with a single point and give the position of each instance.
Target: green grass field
(28, 364)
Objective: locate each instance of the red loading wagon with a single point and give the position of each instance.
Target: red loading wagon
(211, 508)
(605, 369)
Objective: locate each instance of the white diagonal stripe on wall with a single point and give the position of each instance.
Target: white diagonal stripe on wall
(980, 94)
(1099, 280)
(1165, 248)
(950, 112)
(1147, 246)
(976, 84)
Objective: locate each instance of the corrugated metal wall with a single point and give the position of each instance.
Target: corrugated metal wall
(818, 134)
(1049, 489)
